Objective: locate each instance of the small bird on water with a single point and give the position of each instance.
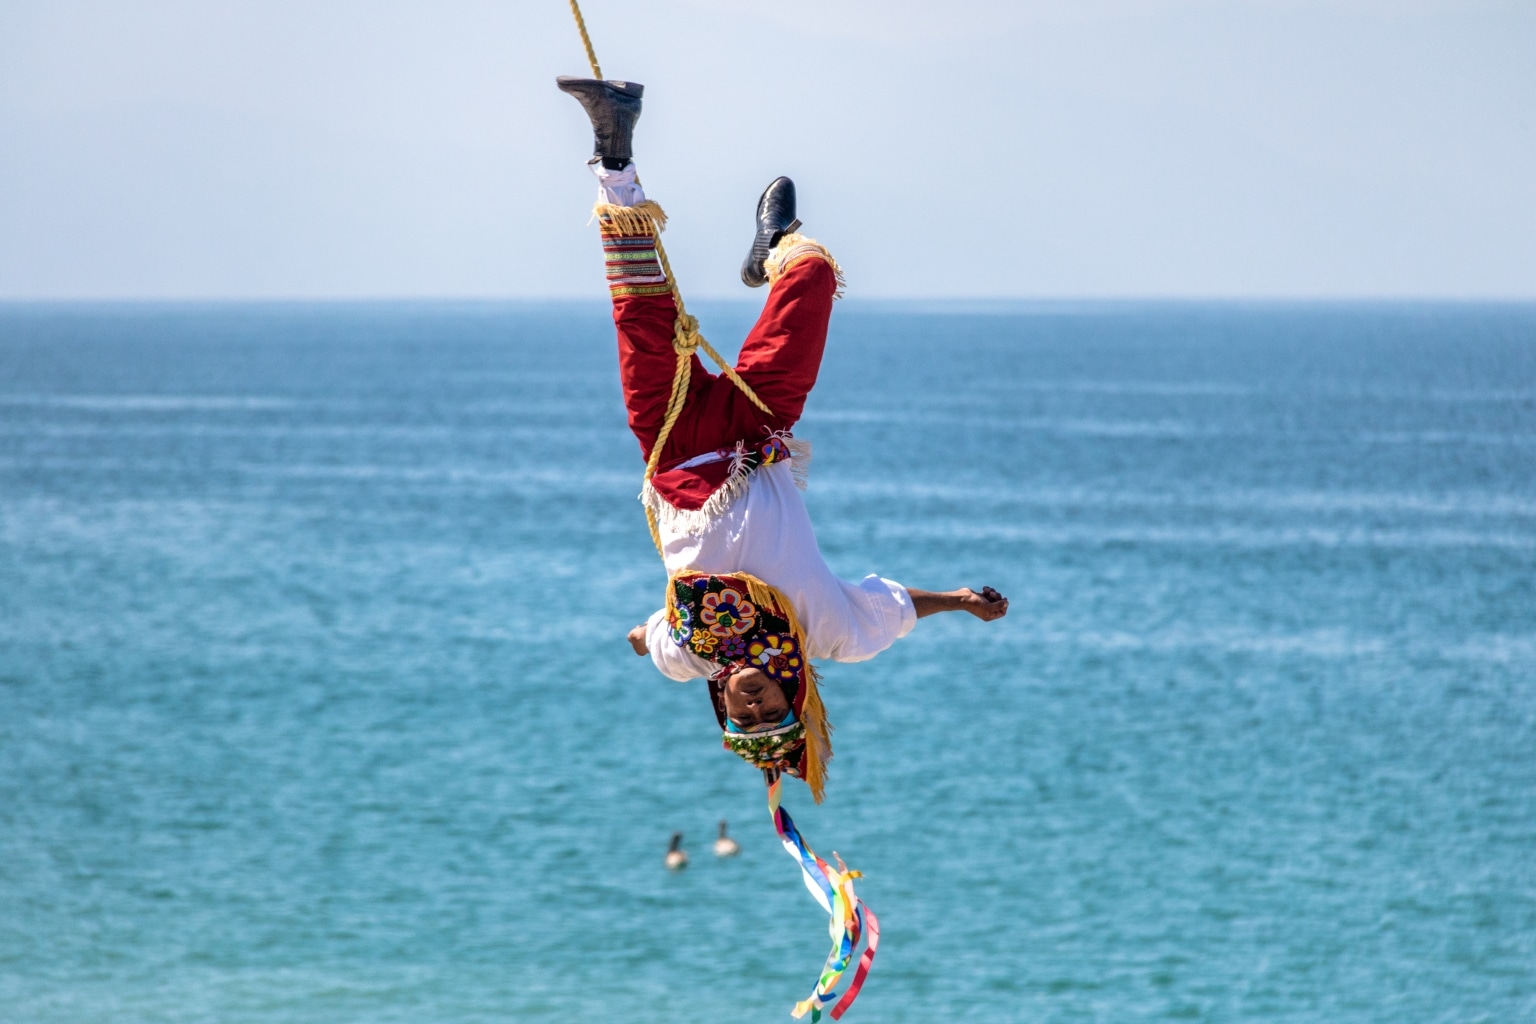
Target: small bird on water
(677, 857)
(725, 846)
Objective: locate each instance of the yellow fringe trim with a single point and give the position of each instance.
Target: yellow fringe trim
(818, 731)
(646, 219)
(794, 248)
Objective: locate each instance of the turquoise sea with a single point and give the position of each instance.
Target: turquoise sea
(315, 704)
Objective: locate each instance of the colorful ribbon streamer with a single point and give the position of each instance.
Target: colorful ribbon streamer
(850, 919)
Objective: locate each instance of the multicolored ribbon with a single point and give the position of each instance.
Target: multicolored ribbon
(850, 918)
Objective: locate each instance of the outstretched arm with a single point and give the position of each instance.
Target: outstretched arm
(679, 663)
(986, 605)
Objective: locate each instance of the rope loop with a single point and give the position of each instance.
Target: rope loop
(686, 335)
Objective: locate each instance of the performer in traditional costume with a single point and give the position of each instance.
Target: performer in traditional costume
(750, 600)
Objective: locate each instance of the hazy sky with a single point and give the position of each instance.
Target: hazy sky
(199, 148)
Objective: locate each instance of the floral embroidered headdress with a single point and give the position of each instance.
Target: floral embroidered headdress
(739, 622)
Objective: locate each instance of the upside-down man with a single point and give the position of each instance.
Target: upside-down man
(750, 600)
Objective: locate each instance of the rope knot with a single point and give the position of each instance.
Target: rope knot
(685, 333)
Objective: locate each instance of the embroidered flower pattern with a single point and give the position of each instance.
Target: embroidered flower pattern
(713, 618)
(680, 624)
(727, 613)
(777, 655)
(773, 450)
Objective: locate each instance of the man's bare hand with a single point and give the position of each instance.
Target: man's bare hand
(636, 640)
(987, 606)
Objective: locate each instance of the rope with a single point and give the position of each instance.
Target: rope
(586, 40)
(685, 331)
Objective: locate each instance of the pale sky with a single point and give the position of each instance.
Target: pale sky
(945, 148)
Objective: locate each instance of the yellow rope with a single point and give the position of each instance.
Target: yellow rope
(685, 329)
(685, 339)
(586, 40)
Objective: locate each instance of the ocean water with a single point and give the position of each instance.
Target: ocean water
(315, 704)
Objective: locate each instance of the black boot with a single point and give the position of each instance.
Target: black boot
(775, 219)
(614, 107)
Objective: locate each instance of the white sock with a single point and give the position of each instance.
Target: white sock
(617, 188)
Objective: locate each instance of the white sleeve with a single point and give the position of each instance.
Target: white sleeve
(878, 613)
(672, 661)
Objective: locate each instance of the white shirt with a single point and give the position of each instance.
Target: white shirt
(767, 532)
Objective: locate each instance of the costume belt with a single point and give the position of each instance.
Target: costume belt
(742, 456)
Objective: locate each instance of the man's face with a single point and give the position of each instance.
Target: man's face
(753, 701)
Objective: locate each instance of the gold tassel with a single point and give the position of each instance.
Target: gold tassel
(776, 267)
(648, 218)
(671, 600)
(818, 735)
